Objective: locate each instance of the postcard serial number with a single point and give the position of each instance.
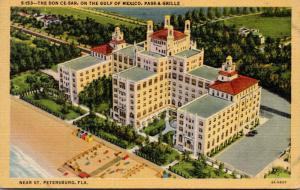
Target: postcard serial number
(278, 182)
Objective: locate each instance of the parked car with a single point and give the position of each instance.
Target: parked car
(251, 133)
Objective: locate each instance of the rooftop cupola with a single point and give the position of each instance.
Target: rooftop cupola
(228, 72)
(167, 21)
(228, 66)
(117, 39)
(117, 35)
(149, 27)
(187, 27)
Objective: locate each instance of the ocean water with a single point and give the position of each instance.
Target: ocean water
(23, 166)
(157, 15)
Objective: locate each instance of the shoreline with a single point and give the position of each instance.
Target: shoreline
(51, 142)
(18, 157)
(43, 138)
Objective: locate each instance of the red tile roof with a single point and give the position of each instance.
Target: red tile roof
(228, 74)
(235, 86)
(163, 34)
(103, 49)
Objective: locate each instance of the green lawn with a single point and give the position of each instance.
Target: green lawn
(19, 83)
(67, 11)
(278, 172)
(186, 168)
(275, 27)
(155, 127)
(53, 106)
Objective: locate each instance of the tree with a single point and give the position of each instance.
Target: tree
(64, 109)
(246, 10)
(202, 14)
(31, 80)
(226, 11)
(232, 11)
(210, 13)
(147, 140)
(218, 13)
(186, 155)
(221, 169)
(160, 138)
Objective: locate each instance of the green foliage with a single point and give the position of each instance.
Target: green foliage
(265, 24)
(15, 17)
(24, 57)
(168, 138)
(49, 104)
(125, 135)
(278, 172)
(198, 169)
(97, 92)
(272, 66)
(31, 80)
(86, 30)
(154, 128)
(225, 144)
(158, 153)
(20, 35)
(277, 12)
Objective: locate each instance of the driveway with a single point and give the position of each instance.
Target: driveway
(253, 154)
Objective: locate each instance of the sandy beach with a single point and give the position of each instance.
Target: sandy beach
(46, 139)
(52, 143)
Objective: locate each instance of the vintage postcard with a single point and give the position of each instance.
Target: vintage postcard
(149, 94)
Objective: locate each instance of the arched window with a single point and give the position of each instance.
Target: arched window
(180, 138)
(199, 146)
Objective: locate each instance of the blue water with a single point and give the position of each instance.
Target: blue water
(155, 14)
(23, 166)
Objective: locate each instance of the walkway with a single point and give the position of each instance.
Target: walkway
(168, 126)
(51, 73)
(166, 167)
(78, 118)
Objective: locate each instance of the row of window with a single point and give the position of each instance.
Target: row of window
(94, 69)
(152, 108)
(126, 59)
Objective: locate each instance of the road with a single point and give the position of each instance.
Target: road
(47, 37)
(119, 17)
(228, 17)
